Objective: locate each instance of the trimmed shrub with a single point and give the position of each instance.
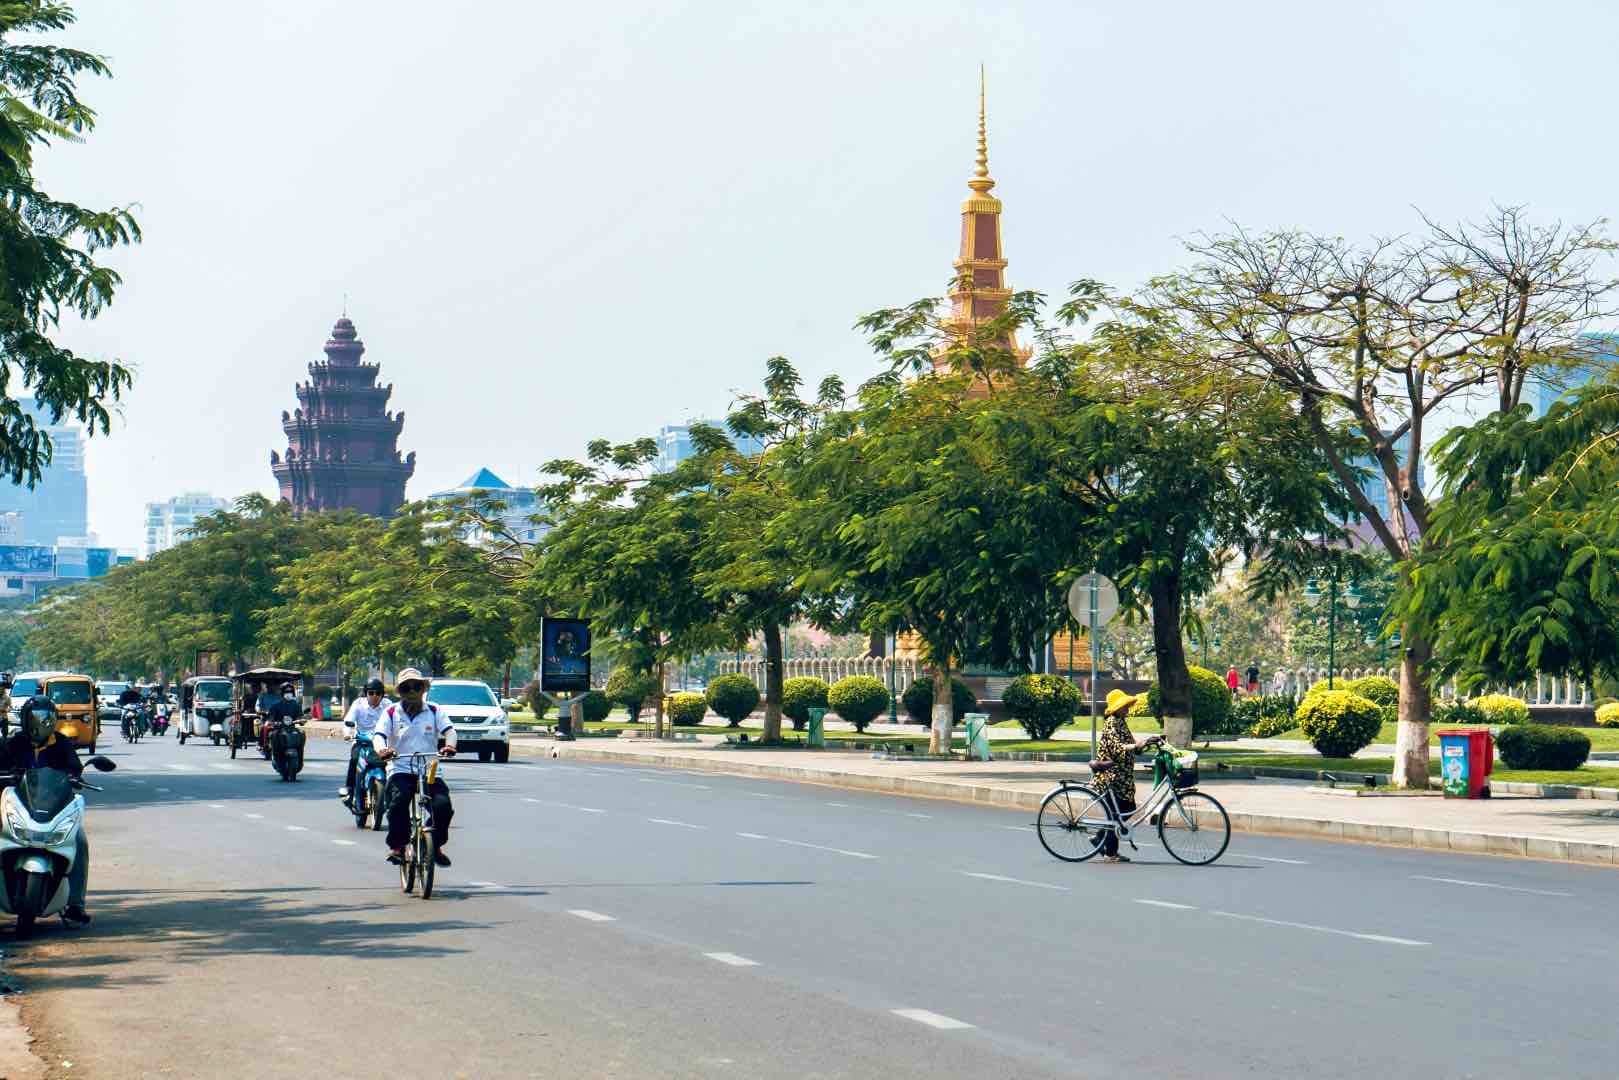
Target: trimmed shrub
(1457, 714)
(918, 700)
(1502, 709)
(1041, 703)
(538, 703)
(1377, 688)
(733, 697)
(1608, 715)
(1211, 704)
(1142, 706)
(632, 689)
(1264, 716)
(800, 695)
(1543, 746)
(1338, 723)
(859, 699)
(686, 709)
(1601, 701)
(593, 707)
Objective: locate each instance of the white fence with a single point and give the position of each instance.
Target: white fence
(832, 668)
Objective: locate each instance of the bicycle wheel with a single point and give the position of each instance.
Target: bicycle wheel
(426, 850)
(1072, 823)
(407, 869)
(1196, 830)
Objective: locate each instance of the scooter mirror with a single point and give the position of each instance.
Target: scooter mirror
(101, 764)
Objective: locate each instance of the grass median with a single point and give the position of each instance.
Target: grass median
(1584, 776)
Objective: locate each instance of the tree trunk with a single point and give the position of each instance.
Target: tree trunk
(944, 714)
(657, 715)
(506, 681)
(1174, 681)
(773, 672)
(1416, 706)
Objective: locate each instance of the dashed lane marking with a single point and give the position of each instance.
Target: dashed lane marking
(839, 805)
(673, 783)
(1167, 904)
(591, 916)
(1015, 881)
(1380, 938)
(932, 1019)
(221, 765)
(255, 817)
(163, 790)
(682, 824)
(1270, 858)
(924, 817)
(1489, 885)
(344, 843)
(814, 847)
(296, 828)
(492, 885)
(732, 958)
(216, 806)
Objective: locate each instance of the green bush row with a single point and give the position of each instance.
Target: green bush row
(1543, 746)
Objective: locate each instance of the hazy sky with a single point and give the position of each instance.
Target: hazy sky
(561, 221)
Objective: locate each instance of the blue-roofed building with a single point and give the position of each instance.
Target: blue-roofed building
(1541, 389)
(674, 443)
(521, 505)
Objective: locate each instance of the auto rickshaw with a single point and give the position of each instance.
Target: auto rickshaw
(210, 714)
(247, 725)
(76, 714)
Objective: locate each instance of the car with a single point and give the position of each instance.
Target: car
(480, 722)
(25, 686)
(107, 691)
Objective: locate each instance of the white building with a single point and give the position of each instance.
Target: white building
(167, 522)
(520, 506)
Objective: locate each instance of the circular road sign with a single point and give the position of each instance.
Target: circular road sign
(1093, 596)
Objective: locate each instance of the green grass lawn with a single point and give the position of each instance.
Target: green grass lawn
(1584, 776)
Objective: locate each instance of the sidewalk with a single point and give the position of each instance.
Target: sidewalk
(1560, 829)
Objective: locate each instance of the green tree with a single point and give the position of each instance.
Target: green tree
(48, 246)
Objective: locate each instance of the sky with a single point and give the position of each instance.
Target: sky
(558, 222)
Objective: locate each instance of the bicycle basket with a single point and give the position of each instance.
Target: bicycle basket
(1186, 770)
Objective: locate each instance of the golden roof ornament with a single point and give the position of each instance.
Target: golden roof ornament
(981, 201)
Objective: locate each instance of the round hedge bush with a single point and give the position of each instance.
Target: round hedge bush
(1543, 746)
(733, 697)
(859, 699)
(1338, 723)
(686, 709)
(918, 700)
(1457, 713)
(1210, 699)
(1041, 703)
(1377, 688)
(538, 703)
(1502, 709)
(800, 695)
(632, 689)
(1608, 715)
(593, 707)
(1264, 716)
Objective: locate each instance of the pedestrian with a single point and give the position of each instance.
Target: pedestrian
(1113, 764)
(1278, 682)
(1253, 677)
(1231, 680)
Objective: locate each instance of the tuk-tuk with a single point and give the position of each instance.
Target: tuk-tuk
(247, 726)
(76, 713)
(210, 714)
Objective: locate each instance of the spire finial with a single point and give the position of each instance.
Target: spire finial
(345, 305)
(981, 181)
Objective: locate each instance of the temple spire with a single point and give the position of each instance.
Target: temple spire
(981, 181)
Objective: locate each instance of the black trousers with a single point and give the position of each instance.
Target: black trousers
(401, 789)
(354, 757)
(1110, 842)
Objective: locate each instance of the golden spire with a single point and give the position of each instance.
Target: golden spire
(981, 181)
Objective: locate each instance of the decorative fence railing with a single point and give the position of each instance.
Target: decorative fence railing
(1545, 690)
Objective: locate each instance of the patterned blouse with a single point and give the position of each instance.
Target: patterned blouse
(1115, 743)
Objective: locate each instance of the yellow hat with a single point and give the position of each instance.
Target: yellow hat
(1118, 702)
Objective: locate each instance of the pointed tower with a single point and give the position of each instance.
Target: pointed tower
(341, 440)
(980, 292)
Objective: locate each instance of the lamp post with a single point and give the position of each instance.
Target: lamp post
(1194, 641)
(893, 700)
(1351, 597)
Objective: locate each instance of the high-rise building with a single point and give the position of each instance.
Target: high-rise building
(342, 451)
(167, 522)
(58, 505)
(675, 445)
(520, 505)
(1541, 389)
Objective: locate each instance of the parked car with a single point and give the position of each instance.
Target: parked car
(480, 722)
(23, 687)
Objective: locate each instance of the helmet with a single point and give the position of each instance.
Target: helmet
(7, 678)
(39, 716)
(375, 687)
(287, 688)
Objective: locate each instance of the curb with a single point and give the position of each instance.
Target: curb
(1463, 842)
(1342, 776)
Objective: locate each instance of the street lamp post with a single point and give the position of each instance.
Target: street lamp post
(1351, 598)
(893, 701)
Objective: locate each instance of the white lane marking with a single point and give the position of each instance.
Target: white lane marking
(816, 847)
(567, 806)
(296, 828)
(527, 799)
(931, 1019)
(924, 817)
(1489, 885)
(1269, 858)
(840, 805)
(682, 824)
(1018, 828)
(216, 806)
(1014, 881)
(179, 768)
(587, 809)
(1168, 904)
(188, 796)
(763, 795)
(1383, 938)
(732, 958)
(344, 843)
(591, 916)
(674, 783)
(137, 781)
(256, 817)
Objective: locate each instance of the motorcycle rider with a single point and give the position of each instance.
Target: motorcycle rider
(414, 725)
(130, 695)
(188, 694)
(35, 745)
(287, 706)
(361, 719)
(6, 680)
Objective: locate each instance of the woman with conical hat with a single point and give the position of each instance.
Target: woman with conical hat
(1113, 763)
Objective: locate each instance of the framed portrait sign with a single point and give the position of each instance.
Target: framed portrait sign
(565, 656)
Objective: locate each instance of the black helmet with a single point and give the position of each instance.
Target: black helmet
(287, 688)
(375, 686)
(39, 717)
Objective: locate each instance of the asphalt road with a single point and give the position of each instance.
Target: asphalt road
(615, 921)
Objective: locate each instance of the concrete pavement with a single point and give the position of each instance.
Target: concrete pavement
(619, 920)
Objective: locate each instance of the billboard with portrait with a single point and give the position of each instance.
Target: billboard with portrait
(565, 656)
(27, 559)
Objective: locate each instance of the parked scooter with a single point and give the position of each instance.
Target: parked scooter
(286, 747)
(40, 819)
(370, 780)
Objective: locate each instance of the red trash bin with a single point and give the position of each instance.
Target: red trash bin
(1466, 759)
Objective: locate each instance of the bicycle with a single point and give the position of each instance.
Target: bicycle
(420, 847)
(1075, 819)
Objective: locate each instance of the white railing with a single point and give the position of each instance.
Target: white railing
(831, 668)
(1545, 690)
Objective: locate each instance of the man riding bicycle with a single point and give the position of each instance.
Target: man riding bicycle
(413, 725)
(361, 721)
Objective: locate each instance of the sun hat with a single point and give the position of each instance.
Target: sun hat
(1118, 702)
(410, 674)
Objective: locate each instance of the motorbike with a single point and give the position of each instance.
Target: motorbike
(160, 721)
(370, 781)
(40, 818)
(287, 747)
(133, 723)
